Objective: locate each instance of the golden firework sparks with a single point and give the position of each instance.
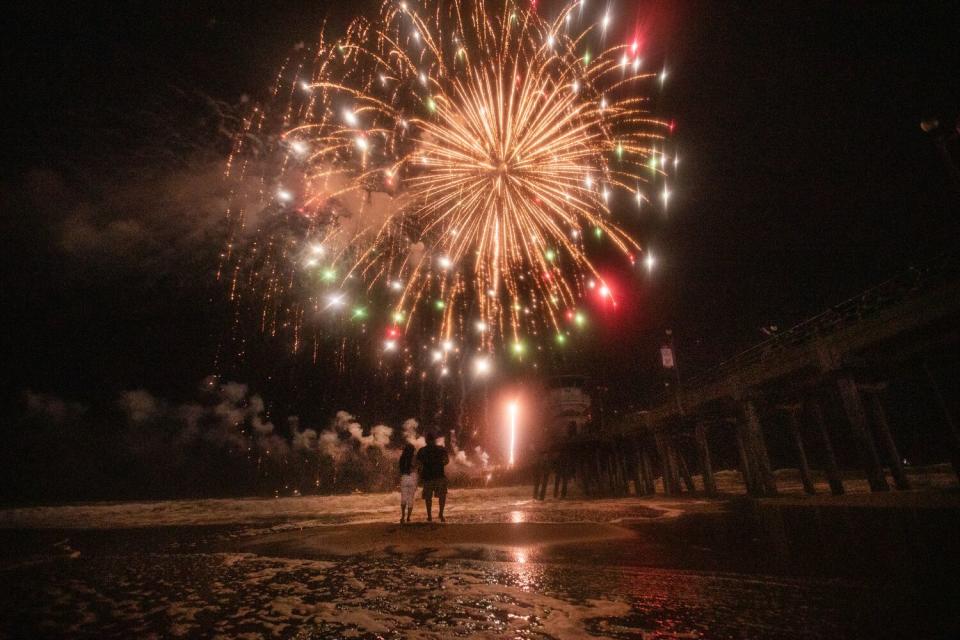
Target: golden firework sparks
(451, 162)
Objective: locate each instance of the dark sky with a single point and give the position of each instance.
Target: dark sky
(804, 175)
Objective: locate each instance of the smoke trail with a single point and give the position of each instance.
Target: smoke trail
(224, 444)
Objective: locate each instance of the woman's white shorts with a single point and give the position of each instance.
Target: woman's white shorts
(408, 488)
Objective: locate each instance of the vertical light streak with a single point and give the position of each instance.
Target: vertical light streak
(512, 413)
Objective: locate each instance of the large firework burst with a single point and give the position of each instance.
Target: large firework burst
(438, 172)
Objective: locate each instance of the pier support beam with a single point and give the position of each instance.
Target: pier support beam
(954, 432)
(900, 479)
(853, 406)
(703, 451)
(830, 458)
(649, 479)
(685, 471)
(671, 481)
(793, 420)
(746, 468)
(757, 448)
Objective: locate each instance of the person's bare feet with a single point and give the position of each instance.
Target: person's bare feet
(442, 519)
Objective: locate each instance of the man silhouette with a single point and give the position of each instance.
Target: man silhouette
(432, 459)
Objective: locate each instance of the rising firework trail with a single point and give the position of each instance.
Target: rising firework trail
(443, 173)
(512, 417)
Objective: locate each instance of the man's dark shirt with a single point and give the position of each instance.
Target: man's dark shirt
(432, 461)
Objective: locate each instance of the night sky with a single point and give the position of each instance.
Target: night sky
(804, 178)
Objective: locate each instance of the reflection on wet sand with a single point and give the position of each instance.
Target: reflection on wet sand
(620, 568)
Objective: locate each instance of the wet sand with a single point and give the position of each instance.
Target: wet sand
(434, 539)
(504, 566)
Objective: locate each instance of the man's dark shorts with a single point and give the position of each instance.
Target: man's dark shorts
(438, 486)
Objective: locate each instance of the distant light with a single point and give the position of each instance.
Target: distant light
(447, 345)
(588, 182)
(437, 355)
(317, 249)
(575, 86)
(550, 40)
(350, 117)
(284, 196)
(396, 285)
(551, 255)
(299, 147)
(481, 326)
(444, 262)
(416, 35)
(604, 291)
(305, 85)
(663, 75)
(362, 143)
(579, 319)
(336, 300)
(561, 339)
(650, 262)
(666, 196)
(606, 20)
(482, 366)
(518, 348)
(440, 305)
(636, 64)
(444, 372)
(390, 345)
(423, 78)
(311, 262)
(329, 274)
(397, 316)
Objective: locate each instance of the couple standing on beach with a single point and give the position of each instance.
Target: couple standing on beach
(430, 461)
